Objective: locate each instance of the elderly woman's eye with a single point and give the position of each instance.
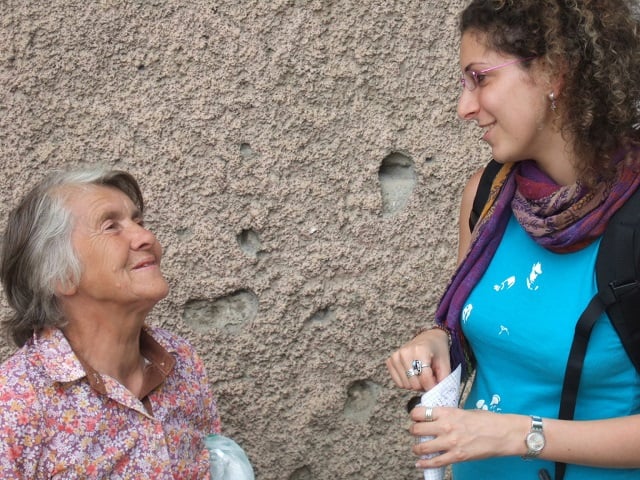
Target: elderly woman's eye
(110, 225)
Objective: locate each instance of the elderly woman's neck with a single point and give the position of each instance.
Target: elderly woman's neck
(109, 347)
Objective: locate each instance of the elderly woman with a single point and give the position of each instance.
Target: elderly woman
(94, 392)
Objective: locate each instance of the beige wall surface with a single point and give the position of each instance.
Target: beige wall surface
(302, 164)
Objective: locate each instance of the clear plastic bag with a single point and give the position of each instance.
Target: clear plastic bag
(227, 459)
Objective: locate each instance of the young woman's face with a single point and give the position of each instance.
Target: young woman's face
(508, 104)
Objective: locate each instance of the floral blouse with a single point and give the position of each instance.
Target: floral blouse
(60, 420)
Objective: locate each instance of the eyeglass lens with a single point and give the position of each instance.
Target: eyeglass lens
(469, 78)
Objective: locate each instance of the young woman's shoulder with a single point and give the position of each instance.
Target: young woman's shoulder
(466, 204)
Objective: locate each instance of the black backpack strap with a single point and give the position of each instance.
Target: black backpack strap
(573, 370)
(618, 294)
(618, 274)
(482, 194)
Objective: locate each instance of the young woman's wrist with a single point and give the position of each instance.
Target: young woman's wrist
(442, 328)
(520, 426)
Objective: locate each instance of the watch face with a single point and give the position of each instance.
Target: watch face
(535, 441)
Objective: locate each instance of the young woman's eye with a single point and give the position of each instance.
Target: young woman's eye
(480, 78)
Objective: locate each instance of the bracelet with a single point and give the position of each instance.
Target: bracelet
(436, 327)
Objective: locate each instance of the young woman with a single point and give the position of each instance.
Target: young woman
(554, 87)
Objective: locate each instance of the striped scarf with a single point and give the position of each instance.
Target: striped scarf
(559, 218)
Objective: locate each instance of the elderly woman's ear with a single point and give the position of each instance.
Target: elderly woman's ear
(65, 288)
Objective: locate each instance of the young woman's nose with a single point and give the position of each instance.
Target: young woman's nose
(468, 104)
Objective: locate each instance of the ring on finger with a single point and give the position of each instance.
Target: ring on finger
(418, 365)
(411, 373)
(428, 414)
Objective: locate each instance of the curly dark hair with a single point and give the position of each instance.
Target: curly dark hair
(595, 45)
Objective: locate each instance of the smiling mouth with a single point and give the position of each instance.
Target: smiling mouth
(145, 263)
(486, 129)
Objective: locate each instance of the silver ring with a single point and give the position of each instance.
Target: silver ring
(417, 366)
(411, 373)
(428, 414)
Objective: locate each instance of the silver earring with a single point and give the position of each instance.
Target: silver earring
(552, 99)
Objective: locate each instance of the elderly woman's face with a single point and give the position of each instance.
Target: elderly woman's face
(120, 258)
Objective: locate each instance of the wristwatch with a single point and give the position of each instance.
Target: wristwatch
(534, 439)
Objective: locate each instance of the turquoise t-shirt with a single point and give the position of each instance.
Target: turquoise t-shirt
(519, 320)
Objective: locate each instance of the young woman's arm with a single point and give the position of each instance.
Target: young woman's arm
(468, 194)
(476, 434)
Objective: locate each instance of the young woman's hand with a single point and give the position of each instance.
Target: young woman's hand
(460, 435)
(432, 349)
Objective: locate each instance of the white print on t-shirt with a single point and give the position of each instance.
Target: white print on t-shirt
(536, 270)
(492, 406)
(466, 312)
(503, 329)
(505, 284)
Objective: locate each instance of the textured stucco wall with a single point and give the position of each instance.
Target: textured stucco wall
(302, 163)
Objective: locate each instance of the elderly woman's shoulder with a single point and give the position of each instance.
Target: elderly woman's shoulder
(22, 377)
(20, 359)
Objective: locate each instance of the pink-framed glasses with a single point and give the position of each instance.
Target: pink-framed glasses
(470, 79)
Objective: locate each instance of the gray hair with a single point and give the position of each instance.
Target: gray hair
(38, 257)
